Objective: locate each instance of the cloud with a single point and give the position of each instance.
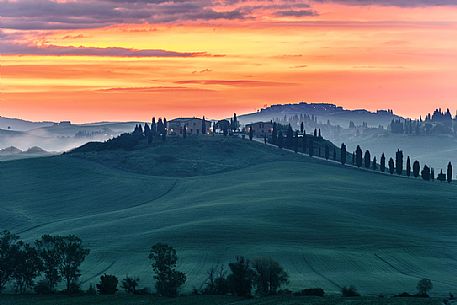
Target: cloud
(234, 83)
(296, 13)
(79, 14)
(400, 3)
(8, 48)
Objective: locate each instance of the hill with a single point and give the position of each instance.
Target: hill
(327, 224)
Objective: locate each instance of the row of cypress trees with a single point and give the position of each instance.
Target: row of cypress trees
(397, 166)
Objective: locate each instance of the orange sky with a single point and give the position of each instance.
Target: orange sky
(391, 56)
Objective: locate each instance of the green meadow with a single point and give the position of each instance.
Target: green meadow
(213, 198)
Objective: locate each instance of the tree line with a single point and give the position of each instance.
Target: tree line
(57, 259)
(315, 145)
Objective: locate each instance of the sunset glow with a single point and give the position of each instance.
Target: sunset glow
(214, 58)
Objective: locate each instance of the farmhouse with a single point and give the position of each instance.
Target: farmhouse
(260, 129)
(193, 125)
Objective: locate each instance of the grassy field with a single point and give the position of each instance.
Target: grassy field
(328, 225)
(208, 300)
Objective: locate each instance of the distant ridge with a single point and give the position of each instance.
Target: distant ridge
(337, 115)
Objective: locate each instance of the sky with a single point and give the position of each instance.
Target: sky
(117, 60)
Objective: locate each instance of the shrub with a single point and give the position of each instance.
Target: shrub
(269, 276)
(91, 290)
(349, 292)
(423, 287)
(74, 288)
(107, 285)
(129, 284)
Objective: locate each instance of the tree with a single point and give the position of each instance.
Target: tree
(426, 173)
(27, 266)
(241, 277)
(216, 282)
(61, 257)
(305, 144)
(358, 156)
(302, 128)
(289, 137)
(50, 257)
(424, 286)
(296, 141)
(383, 163)
(274, 134)
(449, 172)
(343, 154)
(315, 133)
(153, 127)
(399, 162)
(184, 132)
(432, 173)
(251, 133)
(203, 125)
(168, 280)
(8, 249)
(107, 285)
(327, 152)
(129, 284)
(408, 167)
(147, 130)
(391, 166)
(280, 140)
(234, 123)
(367, 159)
(269, 276)
(72, 254)
(416, 168)
(334, 153)
(375, 164)
(311, 147)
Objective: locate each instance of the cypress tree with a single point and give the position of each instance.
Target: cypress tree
(408, 167)
(153, 127)
(449, 172)
(147, 130)
(203, 125)
(416, 168)
(289, 137)
(320, 136)
(432, 173)
(251, 133)
(184, 132)
(399, 162)
(165, 126)
(343, 154)
(367, 159)
(274, 134)
(280, 139)
(315, 132)
(305, 144)
(425, 173)
(358, 156)
(391, 166)
(311, 147)
(383, 163)
(302, 128)
(375, 165)
(296, 141)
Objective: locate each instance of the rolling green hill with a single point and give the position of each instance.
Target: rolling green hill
(213, 198)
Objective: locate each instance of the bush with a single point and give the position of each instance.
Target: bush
(108, 284)
(349, 292)
(316, 292)
(42, 288)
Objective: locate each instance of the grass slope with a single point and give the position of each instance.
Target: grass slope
(329, 225)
